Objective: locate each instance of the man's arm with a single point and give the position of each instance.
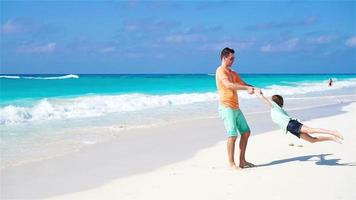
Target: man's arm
(252, 88)
(247, 84)
(235, 86)
(264, 99)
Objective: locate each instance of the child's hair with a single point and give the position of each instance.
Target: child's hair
(278, 99)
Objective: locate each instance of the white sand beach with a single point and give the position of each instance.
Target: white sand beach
(187, 160)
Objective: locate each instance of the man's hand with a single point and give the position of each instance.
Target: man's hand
(250, 90)
(258, 92)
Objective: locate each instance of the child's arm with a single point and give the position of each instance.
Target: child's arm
(261, 96)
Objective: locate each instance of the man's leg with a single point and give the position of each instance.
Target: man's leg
(243, 145)
(231, 151)
(244, 130)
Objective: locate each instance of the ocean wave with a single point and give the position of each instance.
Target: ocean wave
(101, 105)
(12, 77)
(54, 77)
(308, 87)
(95, 106)
(45, 78)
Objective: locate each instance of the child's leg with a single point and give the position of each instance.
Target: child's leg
(311, 139)
(309, 130)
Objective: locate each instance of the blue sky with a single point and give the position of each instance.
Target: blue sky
(177, 36)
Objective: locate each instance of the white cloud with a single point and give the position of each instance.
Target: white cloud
(131, 27)
(286, 46)
(135, 55)
(25, 25)
(244, 45)
(108, 50)
(185, 38)
(11, 27)
(229, 42)
(199, 29)
(147, 25)
(311, 20)
(47, 48)
(351, 42)
(323, 39)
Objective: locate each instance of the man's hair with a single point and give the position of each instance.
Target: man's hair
(278, 99)
(225, 52)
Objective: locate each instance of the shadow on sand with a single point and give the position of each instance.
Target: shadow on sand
(319, 159)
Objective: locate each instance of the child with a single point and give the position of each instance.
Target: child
(281, 117)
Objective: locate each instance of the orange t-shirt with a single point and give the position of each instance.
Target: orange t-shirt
(227, 97)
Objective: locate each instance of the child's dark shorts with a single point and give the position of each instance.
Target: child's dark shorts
(294, 127)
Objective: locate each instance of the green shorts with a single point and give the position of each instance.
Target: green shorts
(234, 121)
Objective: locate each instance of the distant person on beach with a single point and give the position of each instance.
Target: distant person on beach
(288, 124)
(330, 83)
(228, 82)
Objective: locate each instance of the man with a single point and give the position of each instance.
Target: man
(228, 82)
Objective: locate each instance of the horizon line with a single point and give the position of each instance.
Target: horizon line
(263, 73)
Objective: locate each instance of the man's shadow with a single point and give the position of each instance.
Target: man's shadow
(320, 160)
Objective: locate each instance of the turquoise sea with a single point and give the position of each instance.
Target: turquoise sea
(29, 98)
(35, 87)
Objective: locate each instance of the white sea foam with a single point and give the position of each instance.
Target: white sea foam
(308, 87)
(54, 77)
(37, 77)
(11, 77)
(101, 105)
(93, 106)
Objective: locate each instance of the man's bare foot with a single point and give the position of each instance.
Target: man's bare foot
(234, 167)
(246, 164)
(337, 134)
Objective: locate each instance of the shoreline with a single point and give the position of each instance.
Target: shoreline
(140, 152)
(115, 132)
(77, 138)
